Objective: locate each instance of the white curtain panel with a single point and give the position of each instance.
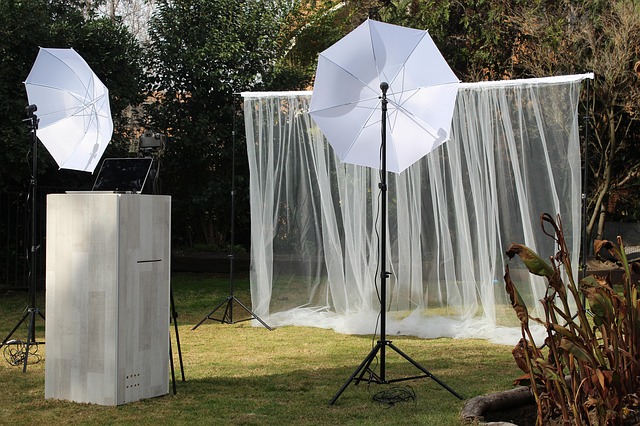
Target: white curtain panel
(513, 155)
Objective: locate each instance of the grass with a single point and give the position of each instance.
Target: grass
(237, 374)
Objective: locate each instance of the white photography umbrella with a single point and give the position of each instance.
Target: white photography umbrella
(421, 97)
(384, 98)
(73, 107)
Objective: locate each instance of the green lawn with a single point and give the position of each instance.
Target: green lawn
(237, 374)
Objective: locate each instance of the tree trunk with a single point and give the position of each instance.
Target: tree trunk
(598, 215)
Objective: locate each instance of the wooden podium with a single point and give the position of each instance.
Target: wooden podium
(107, 297)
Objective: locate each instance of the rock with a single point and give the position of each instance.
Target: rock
(517, 405)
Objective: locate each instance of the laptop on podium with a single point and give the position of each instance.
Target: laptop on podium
(123, 175)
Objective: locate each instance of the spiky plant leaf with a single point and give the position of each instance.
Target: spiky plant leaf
(534, 263)
(578, 351)
(516, 300)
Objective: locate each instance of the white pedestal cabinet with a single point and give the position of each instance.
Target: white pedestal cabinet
(107, 297)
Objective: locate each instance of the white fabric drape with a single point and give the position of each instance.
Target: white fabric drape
(514, 154)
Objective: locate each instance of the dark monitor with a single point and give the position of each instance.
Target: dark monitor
(123, 175)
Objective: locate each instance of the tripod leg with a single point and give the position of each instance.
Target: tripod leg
(361, 368)
(6, 339)
(179, 351)
(173, 371)
(208, 316)
(374, 376)
(227, 317)
(424, 370)
(174, 315)
(252, 314)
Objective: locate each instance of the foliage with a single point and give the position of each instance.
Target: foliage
(105, 45)
(311, 27)
(568, 37)
(586, 370)
(200, 55)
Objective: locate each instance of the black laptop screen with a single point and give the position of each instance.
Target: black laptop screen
(123, 174)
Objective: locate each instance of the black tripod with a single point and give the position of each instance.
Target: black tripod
(146, 151)
(227, 317)
(383, 343)
(32, 310)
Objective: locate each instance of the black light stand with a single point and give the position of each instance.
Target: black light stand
(382, 344)
(227, 317)
(585, 188)
(32, 310)
(149, 144)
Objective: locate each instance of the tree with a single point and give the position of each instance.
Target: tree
(135, 14)
(311, 27)
(201, 54)
(603, 37)
(474, 36)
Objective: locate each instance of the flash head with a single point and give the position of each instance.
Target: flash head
(151, 140)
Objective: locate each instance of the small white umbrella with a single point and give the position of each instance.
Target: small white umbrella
(421, 97)
(73, 107)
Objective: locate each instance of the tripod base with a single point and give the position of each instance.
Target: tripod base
(227, 317)
(31, 335)
(364, 367)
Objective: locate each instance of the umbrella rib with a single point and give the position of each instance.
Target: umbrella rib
(375, 60)
(73, 71)
(373, 52)
(96, 139)
(351, 74)
(357, 101)
(371, 123)
(58, 89)
(416, 119)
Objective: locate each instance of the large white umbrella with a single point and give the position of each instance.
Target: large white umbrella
(421, 97)
(73, 107)
(384, 98)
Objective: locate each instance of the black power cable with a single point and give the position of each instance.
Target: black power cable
(395, 395)
(15, 352)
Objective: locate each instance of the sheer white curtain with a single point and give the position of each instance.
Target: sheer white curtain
(514, 154)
